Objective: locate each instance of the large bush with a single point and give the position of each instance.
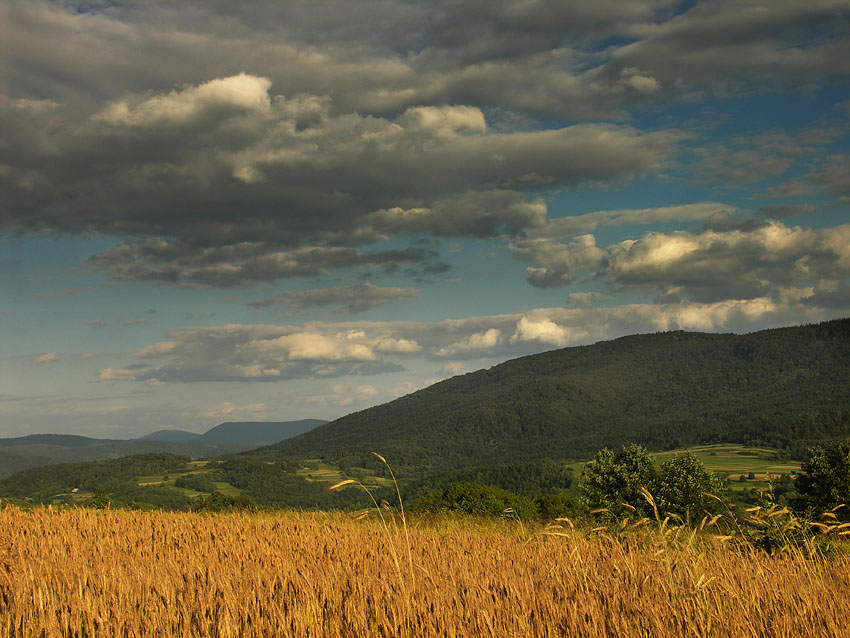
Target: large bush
(824, 480)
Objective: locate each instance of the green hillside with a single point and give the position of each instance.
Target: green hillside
(786, 388)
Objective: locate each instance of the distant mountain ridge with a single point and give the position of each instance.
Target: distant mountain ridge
(239, 432)
(171, 436)
(63, 440)
(35, 450)
(786, 388)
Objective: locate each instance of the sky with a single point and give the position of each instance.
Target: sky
(223, 211)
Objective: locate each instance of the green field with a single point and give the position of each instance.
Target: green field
(732, 461)
(738, 459)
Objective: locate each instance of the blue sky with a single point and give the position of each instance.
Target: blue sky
(216, 211)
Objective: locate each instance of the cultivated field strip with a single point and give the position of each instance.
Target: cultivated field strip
(122, 573)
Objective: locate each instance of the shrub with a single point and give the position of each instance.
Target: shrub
(475, 498)
(220, 502)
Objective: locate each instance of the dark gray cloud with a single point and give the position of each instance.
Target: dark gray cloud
(230, 143)
(786, 210)
(731, 46)
(175, 262)
(351, 299)
(241, 185)
(749, 159)
(564, 59)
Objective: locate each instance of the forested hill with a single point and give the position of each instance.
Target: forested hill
(787, 388)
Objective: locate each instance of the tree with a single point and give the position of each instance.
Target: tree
(824, 479)
(610, 481)
(684, 485)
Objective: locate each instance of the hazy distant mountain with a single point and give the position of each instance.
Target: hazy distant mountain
(36, 450)
(61, 440)
(171, 436)
(251, 433)
(786, 388)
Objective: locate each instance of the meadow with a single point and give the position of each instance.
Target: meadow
(85, 572)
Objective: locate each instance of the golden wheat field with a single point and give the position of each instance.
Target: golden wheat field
(122, 573)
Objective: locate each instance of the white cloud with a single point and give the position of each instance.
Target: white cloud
(445, 121)
(475, 342)
(312, 346)
(544, 331)
(389, 344)
(236, 93)
(232, 412)
(48, 357)
(116, 374)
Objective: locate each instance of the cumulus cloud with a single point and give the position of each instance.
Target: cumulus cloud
(48, 357)
(732, 264)
(347, 299)
(544, 331)
(476, 342)
(477, 214)
(560, 262)
(709, 265)
(218, 97)
(268, 353)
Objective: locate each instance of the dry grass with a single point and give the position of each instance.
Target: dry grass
(120, 573)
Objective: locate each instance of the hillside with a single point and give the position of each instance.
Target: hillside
(787, 388)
